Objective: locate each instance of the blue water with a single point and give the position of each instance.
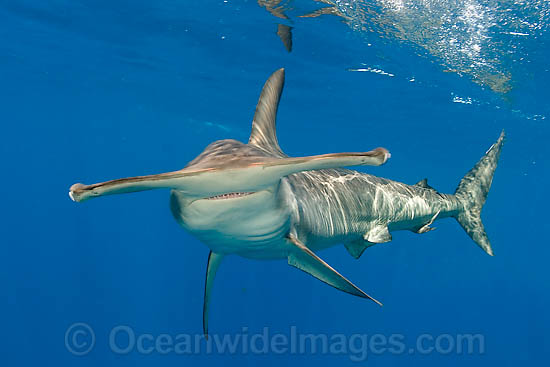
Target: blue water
(96, 90)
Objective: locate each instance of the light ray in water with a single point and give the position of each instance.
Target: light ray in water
(478, 38)
(482, 39)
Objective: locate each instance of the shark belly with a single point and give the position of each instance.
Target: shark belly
(253, 226)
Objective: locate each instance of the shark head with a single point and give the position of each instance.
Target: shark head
(228, 169)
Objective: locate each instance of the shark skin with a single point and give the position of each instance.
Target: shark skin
(254, 201)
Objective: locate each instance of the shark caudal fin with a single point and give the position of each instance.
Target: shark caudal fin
(472, 191)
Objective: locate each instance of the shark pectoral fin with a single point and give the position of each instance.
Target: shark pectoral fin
(214, 261)
(378, 234)
(304, 259)
(357, 247)
(426, 227)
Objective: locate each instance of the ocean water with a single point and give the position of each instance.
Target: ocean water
(97, 90)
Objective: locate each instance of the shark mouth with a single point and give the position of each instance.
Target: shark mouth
(230, 195)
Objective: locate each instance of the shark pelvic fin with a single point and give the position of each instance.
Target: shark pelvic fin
(357, 247)
(378, 234)
(264, 133)
(212, 266)
(304, 259)
(426, 227)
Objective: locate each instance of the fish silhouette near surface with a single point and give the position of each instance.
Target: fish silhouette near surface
(254, 201)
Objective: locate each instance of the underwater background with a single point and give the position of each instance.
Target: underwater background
(96, 90)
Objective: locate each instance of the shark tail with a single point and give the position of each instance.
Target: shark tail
(472, 192)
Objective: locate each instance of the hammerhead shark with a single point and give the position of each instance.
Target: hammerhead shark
(255, 201)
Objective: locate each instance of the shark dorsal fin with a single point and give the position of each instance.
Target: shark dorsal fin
(264, 133)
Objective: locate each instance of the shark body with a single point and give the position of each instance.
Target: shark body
(254, 201)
